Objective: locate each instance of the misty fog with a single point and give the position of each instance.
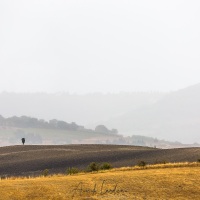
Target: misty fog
(125, 64)
(98, 46)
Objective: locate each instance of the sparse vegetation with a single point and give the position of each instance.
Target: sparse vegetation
(93, 166)
(160, 162)
(45, 172)
(105, 166)
(72, 170)
(3, 177)
(142, 163)
(198, 160)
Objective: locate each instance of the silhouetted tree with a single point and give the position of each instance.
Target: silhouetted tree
(23, 141)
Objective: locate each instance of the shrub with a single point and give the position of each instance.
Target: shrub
(141, 163)
(3, 177)
(72, 170)
(45, 172)
(105, 166)
(160, 162)
(198, 160)
(93, 167)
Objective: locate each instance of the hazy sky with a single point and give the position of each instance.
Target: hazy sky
(86, 46)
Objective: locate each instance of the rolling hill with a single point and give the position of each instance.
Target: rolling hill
(33, 159)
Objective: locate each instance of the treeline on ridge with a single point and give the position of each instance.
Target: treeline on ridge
(30, 122)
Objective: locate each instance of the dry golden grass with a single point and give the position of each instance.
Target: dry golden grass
(169, 181)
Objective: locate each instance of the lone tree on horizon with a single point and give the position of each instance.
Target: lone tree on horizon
(23, 141)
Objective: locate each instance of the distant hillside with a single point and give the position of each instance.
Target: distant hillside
(175, 117)
(170, 117)
(39, 131)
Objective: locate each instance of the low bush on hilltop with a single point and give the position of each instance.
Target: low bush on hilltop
(142, 163)
(96, 166)
(72, 170)
(160, 162)
(93, 166)
(45, 172)
(106, 166)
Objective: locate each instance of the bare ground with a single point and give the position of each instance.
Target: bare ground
(33, 159)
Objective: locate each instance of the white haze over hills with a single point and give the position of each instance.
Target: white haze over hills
(171, 116)
(101, 52)
(174, 117)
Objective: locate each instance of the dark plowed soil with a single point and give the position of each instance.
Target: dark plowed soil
(31, 160)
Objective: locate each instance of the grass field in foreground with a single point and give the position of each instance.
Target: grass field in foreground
(119, 184)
